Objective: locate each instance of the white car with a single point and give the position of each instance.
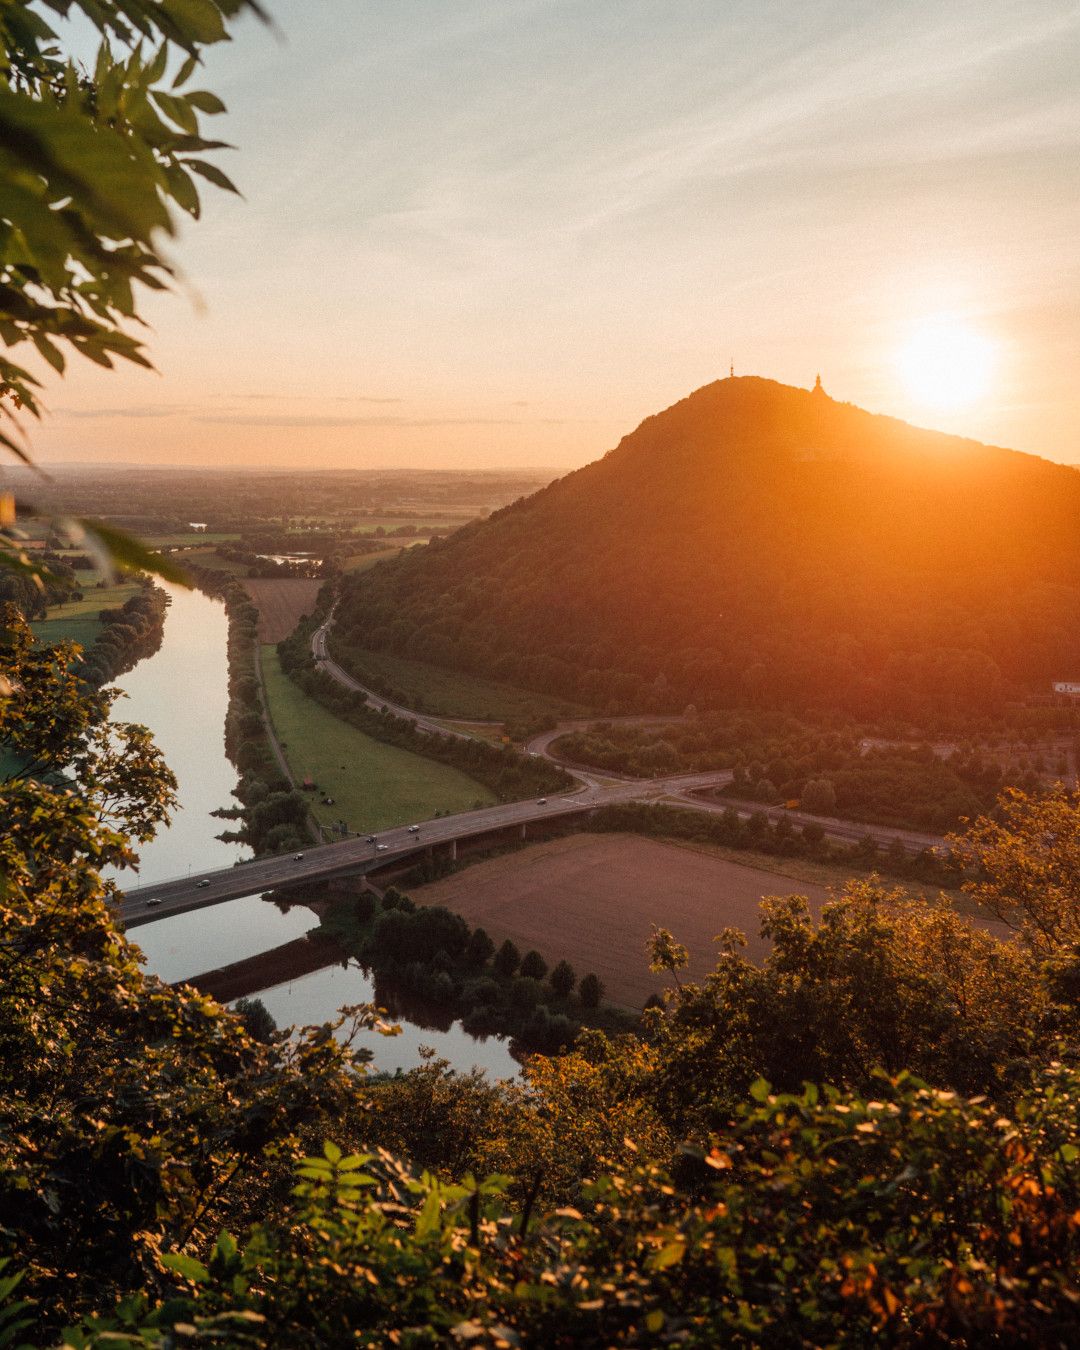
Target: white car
(382, 847)
(414, 829)
(542, 801)
(297, 857)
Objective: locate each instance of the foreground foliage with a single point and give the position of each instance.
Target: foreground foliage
(164, 1178)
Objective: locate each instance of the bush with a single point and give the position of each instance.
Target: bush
(591, 991)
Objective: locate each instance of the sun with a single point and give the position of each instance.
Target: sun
(946, 364)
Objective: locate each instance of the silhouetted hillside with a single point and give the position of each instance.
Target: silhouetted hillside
(757, 543)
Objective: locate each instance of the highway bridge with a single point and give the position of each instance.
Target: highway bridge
(353, 857)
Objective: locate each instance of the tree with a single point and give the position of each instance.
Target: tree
(507, 959)
(481, 948)
(257, 1019)
(52, 727)
(590, 991)
(94, 167)
(533, 965)
(563, 979)
(819, 797)
(1028, 866)
(666, 954)
(120, 1133)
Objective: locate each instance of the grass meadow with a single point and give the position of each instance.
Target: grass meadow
(373, 785)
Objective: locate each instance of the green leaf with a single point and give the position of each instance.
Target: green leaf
(212, 174)
(206, 102)
(198, 20)
(427, 1221)
(176, 110)
(128, 552)
(669, 1254)
(759, 1089)
(186, 71)
(186, 1266)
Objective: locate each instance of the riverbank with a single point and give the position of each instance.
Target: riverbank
(366, 783)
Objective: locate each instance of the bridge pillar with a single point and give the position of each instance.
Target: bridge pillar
(453, 850)
(523, 829)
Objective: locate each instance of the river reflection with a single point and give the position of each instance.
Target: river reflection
(181, 694)
(188, 945)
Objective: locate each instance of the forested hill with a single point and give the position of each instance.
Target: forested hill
(757, 543)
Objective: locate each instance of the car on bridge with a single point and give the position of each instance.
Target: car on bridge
(201, 884)
(154, 900)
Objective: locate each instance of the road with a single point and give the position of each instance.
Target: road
(146, 904)
(353, 856)
(326, 663)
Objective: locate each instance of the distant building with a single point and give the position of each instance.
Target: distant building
(1066, 688)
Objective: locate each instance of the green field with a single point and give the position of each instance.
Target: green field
(209, 557)
(192, 537)
(449, 693)
(77, 621)
(360, 562)
(373, 785)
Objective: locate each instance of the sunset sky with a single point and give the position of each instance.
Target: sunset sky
(484, 233)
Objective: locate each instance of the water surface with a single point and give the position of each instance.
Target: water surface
(181, 694)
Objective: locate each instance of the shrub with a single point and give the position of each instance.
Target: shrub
(591, 991)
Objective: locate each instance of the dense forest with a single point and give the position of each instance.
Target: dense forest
(757, 545)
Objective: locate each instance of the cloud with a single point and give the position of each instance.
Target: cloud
(136, 410)
(299, 398)
(285, 420)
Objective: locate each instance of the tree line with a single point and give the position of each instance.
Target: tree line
(507, 773)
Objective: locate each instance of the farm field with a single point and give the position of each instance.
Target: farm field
(360, 562)
(594, 898)
(191, 537)
(451, 694)
(77, 621)
(209, 557)
(373, 785)
(282, 602)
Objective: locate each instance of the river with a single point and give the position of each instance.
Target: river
(181, 694)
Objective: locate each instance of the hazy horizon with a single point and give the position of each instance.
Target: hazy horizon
(480, 236)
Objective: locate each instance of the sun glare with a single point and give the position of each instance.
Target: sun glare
(946, 364)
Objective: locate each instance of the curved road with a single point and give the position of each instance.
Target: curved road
(145, 904)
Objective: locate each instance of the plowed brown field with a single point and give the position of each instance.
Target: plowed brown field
(282, 602)
(594, 898)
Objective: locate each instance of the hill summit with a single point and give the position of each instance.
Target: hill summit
(757, 543)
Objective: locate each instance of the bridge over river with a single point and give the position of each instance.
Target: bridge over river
(354, 857)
